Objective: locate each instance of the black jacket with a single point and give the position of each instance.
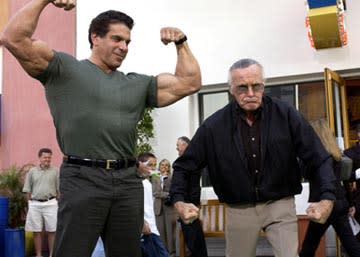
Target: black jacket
(193, 191)
(342, 190)
(285, 135)
(354, 153)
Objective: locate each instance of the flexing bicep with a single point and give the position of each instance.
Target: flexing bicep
(172, 88)
(33, 55)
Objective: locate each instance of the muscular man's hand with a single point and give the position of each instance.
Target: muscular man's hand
(319, 212)
(169, 34)
(65, 4)
(187, 211)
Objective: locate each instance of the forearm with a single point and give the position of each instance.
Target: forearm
(187, 77)
(28, 196)
(187, 68)
(22, 25)
(327, 179)
(178, 186)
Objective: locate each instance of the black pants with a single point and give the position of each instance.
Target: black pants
(96, 202)
(194, 238)
(340, 222)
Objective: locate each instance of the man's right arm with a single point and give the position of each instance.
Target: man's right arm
(187, 211)
(28, 196)
(33, 55)
(191, 162)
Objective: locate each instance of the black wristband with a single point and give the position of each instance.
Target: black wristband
(181, 40)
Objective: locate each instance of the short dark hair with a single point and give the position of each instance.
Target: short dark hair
(184, 139)
(44, 150)
(100, 24)
(144, 156)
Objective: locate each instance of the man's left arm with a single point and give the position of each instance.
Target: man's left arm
(312, 152)
(187, 77)
(320, 211)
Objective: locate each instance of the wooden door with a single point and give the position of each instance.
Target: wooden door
(336, 107)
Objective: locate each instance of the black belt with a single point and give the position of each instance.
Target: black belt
(99, 163)
(44, 200)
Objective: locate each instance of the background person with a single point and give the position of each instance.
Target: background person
(151, 243)
(250, 148)
(165, 213)
(193, 232)
(339, 215)
(354, 153)
(41, 188)
(95, 109)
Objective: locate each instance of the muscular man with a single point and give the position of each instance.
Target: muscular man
(95, 109)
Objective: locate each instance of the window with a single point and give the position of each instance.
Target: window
(211, 102)
(285, 93)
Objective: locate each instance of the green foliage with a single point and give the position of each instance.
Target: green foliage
(11, 184)
(144, 132)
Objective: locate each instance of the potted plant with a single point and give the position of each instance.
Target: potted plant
(11, 184)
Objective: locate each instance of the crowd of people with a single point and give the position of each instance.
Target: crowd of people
(256, 149)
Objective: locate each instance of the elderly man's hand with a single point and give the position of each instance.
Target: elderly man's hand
(319, 212)
(187, 211)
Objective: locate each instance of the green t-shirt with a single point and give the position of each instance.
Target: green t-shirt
(95, 114)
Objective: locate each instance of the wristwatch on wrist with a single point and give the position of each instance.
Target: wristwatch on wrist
(181, 40)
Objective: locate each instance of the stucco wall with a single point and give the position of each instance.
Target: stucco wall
(26, 122)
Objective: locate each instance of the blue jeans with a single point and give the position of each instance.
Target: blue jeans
(152, 246)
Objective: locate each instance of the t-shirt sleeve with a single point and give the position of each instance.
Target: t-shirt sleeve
(27, 183)
(58, 66)
(152, 92)
(52, 69)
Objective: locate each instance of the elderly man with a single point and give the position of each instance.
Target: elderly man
(250, 148)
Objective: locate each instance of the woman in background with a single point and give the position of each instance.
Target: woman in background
(164, 211)
(339, 215)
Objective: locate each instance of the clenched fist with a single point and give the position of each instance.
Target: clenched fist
(319, 212)
(65, 4)
(170, 34)
(187, 211)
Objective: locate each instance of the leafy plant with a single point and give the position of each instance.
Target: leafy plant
(11, 184)
(144, 132)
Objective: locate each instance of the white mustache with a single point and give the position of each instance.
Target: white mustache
(251, 99)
